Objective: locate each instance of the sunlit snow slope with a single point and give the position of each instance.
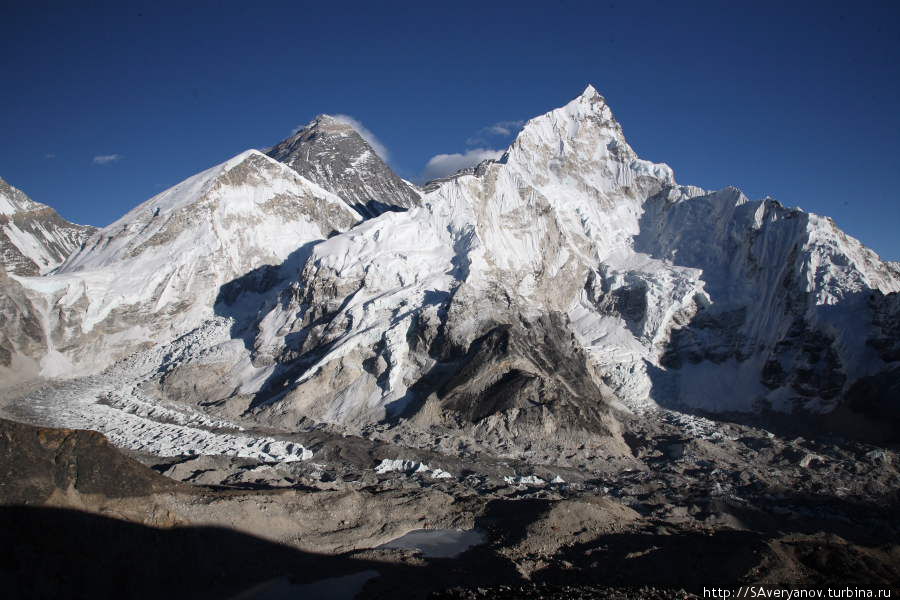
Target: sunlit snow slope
(157, 272)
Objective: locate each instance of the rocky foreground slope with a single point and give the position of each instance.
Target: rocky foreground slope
(80, 520)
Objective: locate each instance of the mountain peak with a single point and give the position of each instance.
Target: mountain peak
(591, 92)
(238, 159)
(13, 200)
(246, 203)
(587, 114)
(333, 152)
(589, 105)
(590, 102)
(328, 123)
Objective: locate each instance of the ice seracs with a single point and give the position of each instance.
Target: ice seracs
(408, 467)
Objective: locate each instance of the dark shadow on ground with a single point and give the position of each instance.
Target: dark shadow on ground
(60, 553)
(699, 560)
(794, 540)
(689, 560)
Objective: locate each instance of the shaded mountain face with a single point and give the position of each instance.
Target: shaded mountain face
(787, 310)
(518, 308)
(334, 155)
(34, 239)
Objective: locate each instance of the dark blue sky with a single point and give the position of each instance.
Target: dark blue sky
(801, 102)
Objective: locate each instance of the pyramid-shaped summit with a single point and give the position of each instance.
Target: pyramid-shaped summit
(330, 152)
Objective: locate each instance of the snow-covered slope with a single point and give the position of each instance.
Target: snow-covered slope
(159, 271)
(34, 239)
(330, 152)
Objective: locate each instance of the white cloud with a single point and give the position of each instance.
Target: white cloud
(367, 135)
(503, 129)
(104, 159)
(49, 155)
(442, 165)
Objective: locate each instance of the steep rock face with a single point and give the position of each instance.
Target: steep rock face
(34, 239)
(334, 155)
(157, 272)
(527, 383)
(23, 339)
(877, 395)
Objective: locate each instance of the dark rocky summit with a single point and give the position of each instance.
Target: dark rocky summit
(331, 153)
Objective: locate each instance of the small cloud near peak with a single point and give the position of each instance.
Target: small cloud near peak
(442, 165)
(367, 135)
(500, 129)
(363, 131)
(105, 159)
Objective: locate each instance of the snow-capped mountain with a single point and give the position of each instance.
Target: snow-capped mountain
(329, 151)
(519, 305)
(673, 294)
(34, 239)
(157, 272)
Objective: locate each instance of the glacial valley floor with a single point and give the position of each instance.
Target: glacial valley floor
(701, 505)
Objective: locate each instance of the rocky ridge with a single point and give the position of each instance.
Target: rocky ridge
(34, 239)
